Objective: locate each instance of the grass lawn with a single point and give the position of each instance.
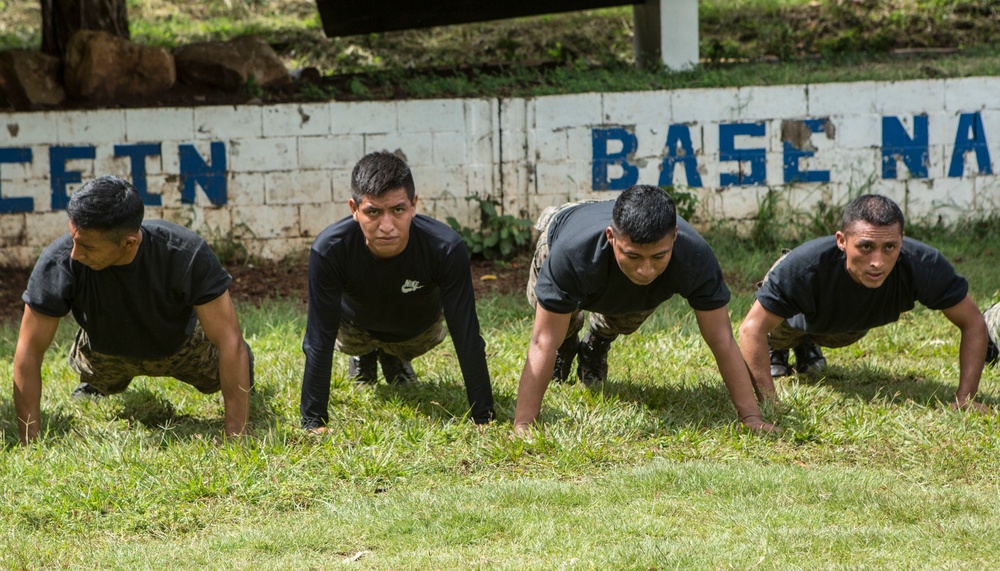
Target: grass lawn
(873, 469)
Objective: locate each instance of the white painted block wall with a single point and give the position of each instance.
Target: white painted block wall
(288, 166)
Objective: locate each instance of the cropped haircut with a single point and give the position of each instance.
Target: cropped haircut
(378, 173)
(107, 204)
(644, 213)
(873, 209)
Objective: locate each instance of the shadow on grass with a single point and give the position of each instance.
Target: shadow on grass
(870, 384)
(441, 399)
(55, 423)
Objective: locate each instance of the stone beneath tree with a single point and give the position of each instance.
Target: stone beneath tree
(30, 79)
(230, 65)
(103, 67)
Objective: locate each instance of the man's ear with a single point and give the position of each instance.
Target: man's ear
(414, 203)
(354, 208)
(841, 241)
(610, 233)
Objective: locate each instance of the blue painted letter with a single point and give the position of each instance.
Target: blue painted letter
(21, 203)
(970, 137)
(679, 136)
(897, 144)
(211, 178)
(60, 176)
(794, 154)
(138, 154)
(728, 152)
(602, 159)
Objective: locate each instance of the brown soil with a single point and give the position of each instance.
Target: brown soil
(255, 282)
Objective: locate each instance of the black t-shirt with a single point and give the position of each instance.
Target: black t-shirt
(394, 300)
(144, 309)
(813, 291)
(581, 271)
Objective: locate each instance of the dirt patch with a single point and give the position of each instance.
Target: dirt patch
(253, 283)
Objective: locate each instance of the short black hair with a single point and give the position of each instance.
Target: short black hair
(107, 204)
(644, 213)
(874, 209)
(378, 173)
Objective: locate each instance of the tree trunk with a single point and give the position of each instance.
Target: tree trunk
(62, 18)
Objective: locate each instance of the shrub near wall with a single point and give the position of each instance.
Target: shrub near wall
(272, 177)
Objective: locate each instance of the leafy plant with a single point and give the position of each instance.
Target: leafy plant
(685, 202)
(499, 237)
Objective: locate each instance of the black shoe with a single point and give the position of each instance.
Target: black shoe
(363, 370)
(992, 354)
(808, 358)
(779, 363)
(592, 360)
(395, 370)
(85, 391)
(564, 359)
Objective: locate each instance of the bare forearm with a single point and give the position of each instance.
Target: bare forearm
(533, 384)
(971, 359)
(234, 373)
(27, 397)
(737, 379)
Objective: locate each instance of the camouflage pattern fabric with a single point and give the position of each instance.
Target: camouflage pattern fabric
(992, 317)
(195, 363)
(353, 340)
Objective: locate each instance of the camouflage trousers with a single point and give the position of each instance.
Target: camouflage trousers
(607, 326)
(195, 363)
(785, 336)
(354, 340)
(992, 317)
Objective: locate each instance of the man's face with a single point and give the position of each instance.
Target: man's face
(385, 221)
(94, 249)
(871, 251)
(642, 263)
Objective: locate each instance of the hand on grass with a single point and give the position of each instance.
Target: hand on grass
(756, 424)
(972, 406)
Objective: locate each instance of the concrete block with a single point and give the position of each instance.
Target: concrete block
(450, 148)
(313, 218)
(970, 94)
(270, 221)
(773, 102)
(944, 199)
(19, 255)
(430, 115)
(167, 187)
(893, 188)
(106, 163)
(13, 230)
(856, 168)
(245, 189)
(26, 129)
(23, 170)
(431, 181)
(44, 227)
(25, 188)
(340, 181)
(559, 111)
(705, 105)
(550, 146)
(637, 107)
(224, 123)
(861, 131)
(852, 98)
(297, 187)
(281, 249)
(90, 127)
(332, 151)
(263, 155)
(362, 117)
(416, 148)
(296, 120)
(483, 180)
(158, 125)
(987, 194)
(909, 97)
